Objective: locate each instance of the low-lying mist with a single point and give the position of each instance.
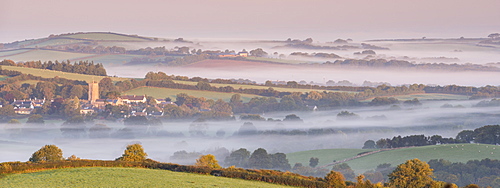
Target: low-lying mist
(317, 130)
(318, 74)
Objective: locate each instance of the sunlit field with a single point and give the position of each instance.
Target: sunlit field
(122, 177)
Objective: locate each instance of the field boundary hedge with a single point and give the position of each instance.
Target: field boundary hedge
(270, 176)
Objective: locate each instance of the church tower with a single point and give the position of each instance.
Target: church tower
(93, 91)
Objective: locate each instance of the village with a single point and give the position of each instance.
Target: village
(94, 104)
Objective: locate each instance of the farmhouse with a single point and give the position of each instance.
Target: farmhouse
(243, 54)
(27, 106)
(239, 54)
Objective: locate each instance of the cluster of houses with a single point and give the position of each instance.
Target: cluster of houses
(26, 107)
(130, 100)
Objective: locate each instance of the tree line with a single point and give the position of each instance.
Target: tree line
(82, 67)
(489, 134)
(401, 64)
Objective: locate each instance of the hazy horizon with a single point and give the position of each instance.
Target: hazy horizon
(276, 19)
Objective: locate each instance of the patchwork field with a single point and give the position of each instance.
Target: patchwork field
(5, 54)
(426, 96)
(109, 59)
(122, 177)
(46, 55)
(106, 36)
(243, 86)
(157, 92)
(451, 152)
(51, 74)
(54, 42)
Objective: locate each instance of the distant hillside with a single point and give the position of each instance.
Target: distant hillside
(123, 177)
(101, 47)
(451, 152)
(51, 74)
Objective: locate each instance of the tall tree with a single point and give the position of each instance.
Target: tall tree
(134, 152)
(36, 119)
(105, 86)
(238, 158)
(413, 173)
(207, 161)
(335, 179)
(260, 160)
(48, 153)
(313, 162)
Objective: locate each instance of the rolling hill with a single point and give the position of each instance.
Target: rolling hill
(451, 152)
(51, 74)
(122, 177)
(159, 93)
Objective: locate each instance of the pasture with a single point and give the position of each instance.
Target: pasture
(106, 36)
(160, 93)
(51, 74)
(426, 96)
(54, 42)
(451, 152)
(243, 86)
(109, 59)
(7, 53)
(122, 177)
(45, 55)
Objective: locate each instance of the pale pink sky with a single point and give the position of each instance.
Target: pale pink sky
(265, 19)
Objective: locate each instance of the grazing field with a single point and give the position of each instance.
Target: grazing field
(110, 59)
(122, 177)
(106, 36)
(243, 86)
(160, 93)
(54, 42)
(325, 156)
(451, 152)
(51, 74)
(426, 96)
(3, 77)
(46, 55)
(5, 54)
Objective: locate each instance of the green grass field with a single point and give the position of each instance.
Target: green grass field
(51, 74)
(54, 42)
(325, 156)
(426, 96)
(105, 36)
(5, 54)
(122, 177)
(451, 152)
(3, 77)
(157, 92)
(243, 86)
(46, 55)
(112, 59)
